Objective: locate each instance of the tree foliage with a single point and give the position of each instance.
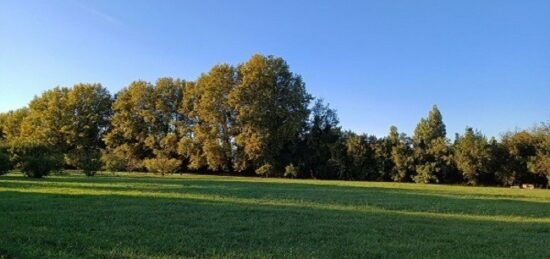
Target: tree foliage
(270, 105)
(162, 166)
(401, 156)
(431, 149)
(10, 125)
(214, 132)
(540, 164)
(47, 120)
(473, 156)
(5, 163)
(131, 124)
(320, 143)
(88, 118)
(35, 159)
(252, 118)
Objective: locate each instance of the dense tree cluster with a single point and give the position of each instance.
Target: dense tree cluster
(252, 119)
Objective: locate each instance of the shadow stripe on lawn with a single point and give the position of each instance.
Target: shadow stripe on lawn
(284, 203)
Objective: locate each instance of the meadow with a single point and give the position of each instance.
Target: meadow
(127, 215)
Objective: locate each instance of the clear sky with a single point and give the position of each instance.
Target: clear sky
(486, 64)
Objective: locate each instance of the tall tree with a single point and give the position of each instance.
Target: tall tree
(188, 145)
(10, 125)
(46, 119)
(431, 148)
(540, 164)
(359, 159)
(401, 155)
(271, 110)
(214, 130)
(132, 122)
(319, 144)
(500, 163)
(383, 155)
(69, 121)
(88, 112)
(521, 149)
(163, 135)
(526, 156)
(473, 157)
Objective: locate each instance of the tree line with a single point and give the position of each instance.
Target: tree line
(255, 118)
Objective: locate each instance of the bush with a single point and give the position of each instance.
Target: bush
(162, 165)
(5, 163)
(265, 170)
(426, 174)
(37, 160)
(291, 171)
(113, 163)
(86, 160)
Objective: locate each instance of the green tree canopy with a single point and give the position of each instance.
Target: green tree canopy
(132, 122)
(88, 111)
(401, 155)
(473, 156)
(215, 128)
(431, 149)
(270, 103)
(320, 143)
(48, 115)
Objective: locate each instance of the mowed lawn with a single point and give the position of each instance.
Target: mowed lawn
(137, 215)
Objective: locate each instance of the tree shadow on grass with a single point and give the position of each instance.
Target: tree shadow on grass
(497, 192)
(299, 194)
(69, 226)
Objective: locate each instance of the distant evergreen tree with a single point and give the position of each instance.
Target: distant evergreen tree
(431, 149)
(401, 156)
(320, 143)
(473, 157)
(385, 165)
(359, 159)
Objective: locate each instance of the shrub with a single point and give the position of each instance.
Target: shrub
(291, 171)
(162, 165)
(5, 163)
(37, 160)
(86, 160)
(426, 173)
(113, 163)
(265, 170)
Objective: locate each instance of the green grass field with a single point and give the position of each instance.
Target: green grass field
(135, 215)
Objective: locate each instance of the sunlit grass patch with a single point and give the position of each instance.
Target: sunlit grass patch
(139, 215)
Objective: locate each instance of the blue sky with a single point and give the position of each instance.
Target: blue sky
(486, 64)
